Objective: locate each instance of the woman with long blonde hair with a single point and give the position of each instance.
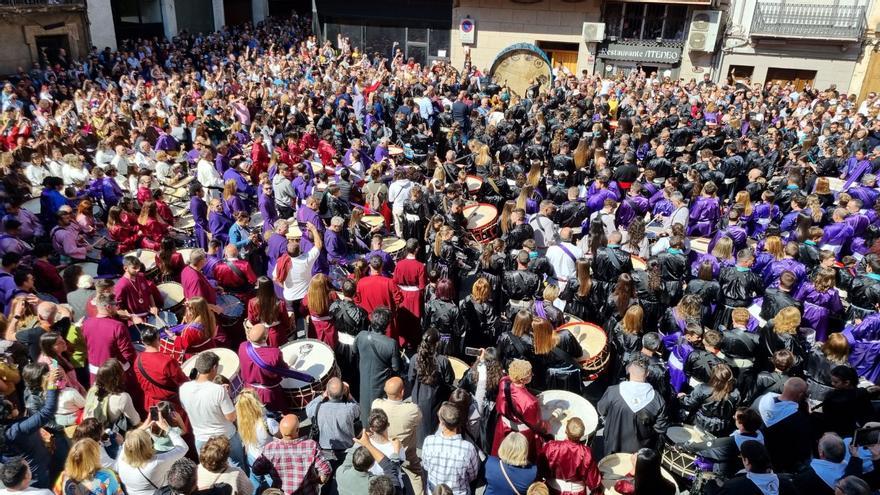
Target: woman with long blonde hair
(255, 428)
(517, 342)
(782, 333)
(533, 177)
(232, 204)
(554, 352)
(83, 472)
(140, 467)
(317, 301)
(197, 331)
(504, 218)
(744, 201)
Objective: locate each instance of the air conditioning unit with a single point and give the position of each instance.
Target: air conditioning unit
(594, 32)
(705, 25)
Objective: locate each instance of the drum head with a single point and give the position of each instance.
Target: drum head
(346, 338)
(560, 406)
(474, 183)
(232, 306)
(570, 318)
(186, 222)
(293, 231)
(836, 184)
(90, 269)
(700, 245)
(592, 338)
(638, 263)
(685, 434)
(256, 220)
(620, 466)
(480, 215)
(395, 150)
(373, 220)
(147, 257)
(184, 253)
(393, 245)
(309, 356)
(178, 210)
(32, 205)
(172, 294)
(459, 367)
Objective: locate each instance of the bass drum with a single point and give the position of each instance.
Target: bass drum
(520, 65)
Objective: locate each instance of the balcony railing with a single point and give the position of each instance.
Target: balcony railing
(38, 3)
(775, 19)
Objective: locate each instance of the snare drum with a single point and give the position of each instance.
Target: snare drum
(638, 263)
(678, 461)
(233, 310)
(395, 150)
(481, 221)
(700, 245)
(474, 184)
(186, 223)
(165, 319)
(229, 368)
(148, 259)
(172, 295)
(184, 253)
(559, 406)
(314, 358)
(594, 342)
(373, 221)
(616, 467)
(393, 246)
(134, 331)
(459, 367)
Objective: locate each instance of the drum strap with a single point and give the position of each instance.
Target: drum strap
(150, 379)
(506, 477)
(612, 257)
(238, 273)
(284, 372)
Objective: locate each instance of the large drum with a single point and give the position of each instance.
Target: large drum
(172, 296)
(229, 368)
(314, 358)
(618, 467)
(395, 151)
(481, 221)
(293, 230)
(373, 221)
(675, 459)
(559, 406)
(148, 259)
(594, 342)
(32, 205)
(638, 263)
(474, 184)
(394, 247)
(184, 253)
(89, 268)
(700, 244)
(835, 184)
(459, 367)
(233, 310)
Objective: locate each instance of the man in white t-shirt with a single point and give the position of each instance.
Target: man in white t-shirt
(209, 407)
(293, 271)
(16, 478)
(563, 256)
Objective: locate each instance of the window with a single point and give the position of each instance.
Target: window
(741, 72)
(640, 21)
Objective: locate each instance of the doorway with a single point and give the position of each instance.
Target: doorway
(561, 53)
(237, 12)
(50, 46)
(799, 78)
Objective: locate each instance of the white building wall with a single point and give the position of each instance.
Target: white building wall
(101, 29)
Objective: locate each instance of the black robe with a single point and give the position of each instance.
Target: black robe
(429, 398)
(446, 318)
(776, 299)
(741, 485)
(587, 308)
(628, 431)
(480, 323)
(378, 360)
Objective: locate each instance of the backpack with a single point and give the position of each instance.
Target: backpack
(375, 199)
(99, 409)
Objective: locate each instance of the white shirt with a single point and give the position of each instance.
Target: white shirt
(121, 164)
(207, 404)
(679, 215)
(71, 174)
(207, 174)
(563, 266)
(36, 174)
(398, 192)
(145, 479)
(296, 285)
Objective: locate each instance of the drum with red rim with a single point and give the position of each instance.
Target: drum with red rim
(314, 358)
(594, 342)
(481, 221)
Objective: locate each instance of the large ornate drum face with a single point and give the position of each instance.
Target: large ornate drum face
(700, 245)
(393, 246)
(172, 294)
(519, 65)
(309, 356)
(560, 406)
(229, 367)
(638, 263)
(474, 183)
(480, 216)
(459, 367)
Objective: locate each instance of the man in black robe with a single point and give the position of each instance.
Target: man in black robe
(635, 414)
(780, 297)
(760, 478)
(378, 358)
(787, 427)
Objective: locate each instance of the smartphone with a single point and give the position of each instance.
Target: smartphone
(154, 413)
(472, 351)
(866, 436)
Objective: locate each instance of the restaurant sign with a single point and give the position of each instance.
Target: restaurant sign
(641, 53)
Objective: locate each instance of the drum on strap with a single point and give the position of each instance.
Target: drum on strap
(293, 230)
(675, 459)
(172, 296)
(835, 184)
(134, 331)
(481, 221)
(233, 310)
(459, 367)
(229, 368)
(700, 244)
(184, 253)
(638, 263)
(559, 406)
(617, 467)
(314, 358)
(373, 221)
(594, 342)
(394, 246)
(163, 320)
(33, 206)
(186, 223)
(474, 184)
(148, 259)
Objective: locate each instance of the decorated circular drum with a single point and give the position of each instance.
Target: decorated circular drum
(172, 295)
(474, 183)
(32, 205)
(393, 245)
(686, 434)
(309, 356)
(480, 215)
(89, 268)
(616, 467)
(147, 257)
(395, 150)
(459, 367)
(229, 363)
(559, 406)
(700, 244)
(638, 263)
(186, 222)
(593, 341)
(184, 253)
(373, 220)
(256, 220)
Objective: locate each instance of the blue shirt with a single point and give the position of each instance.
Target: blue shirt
(496, 483)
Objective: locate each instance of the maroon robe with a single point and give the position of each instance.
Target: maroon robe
(109, 338)
(527, 407)
(410, 276)
(266, 383)
(137, 295)
(195, 284)
(376, 290)
(569, 461)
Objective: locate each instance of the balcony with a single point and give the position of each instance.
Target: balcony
(30, 4)
(778, 19)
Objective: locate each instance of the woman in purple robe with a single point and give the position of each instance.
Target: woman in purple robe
(267, 208)
(218, 223)
(787, 263)
(864, 343)
(821, 300)
(720, 256)
(763, 214)
(769, 251)
(705, 213)
(232, 203)
(838, 233)
(199, 210)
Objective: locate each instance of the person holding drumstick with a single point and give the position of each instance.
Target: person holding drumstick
(135, 294)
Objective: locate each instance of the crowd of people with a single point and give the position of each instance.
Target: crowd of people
(256, 262)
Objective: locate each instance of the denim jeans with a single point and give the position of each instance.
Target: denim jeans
(236, 451)
(259, 483)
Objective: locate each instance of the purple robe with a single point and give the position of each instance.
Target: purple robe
(267, 209)
(717, 264)
(736, 233)
(241, 185)
(306, 215)
(380, 154)
(868, 195)
(864, 342)
(704, 215)
(213, 261)
(763, 215)
(362, 156)
(233, 205)
(855, 169)
(596, 200)
(664, 207)
(219, 225)
(657, 197)
(337, 248)
(774, 270)
(199, 210)
(630, 208)
(387, 261)
(192, 156)
(678, 355)
(611, 186)
(818, 307)
(166, 142)
(275, 248)
(836, 235)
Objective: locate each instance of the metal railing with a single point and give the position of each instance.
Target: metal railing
(38, 3)
(777, 19)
